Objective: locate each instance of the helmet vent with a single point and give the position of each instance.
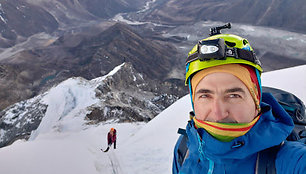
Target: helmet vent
(230, 44)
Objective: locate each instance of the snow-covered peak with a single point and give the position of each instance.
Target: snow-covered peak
(61, 109)
(67, 104)
(112, 72)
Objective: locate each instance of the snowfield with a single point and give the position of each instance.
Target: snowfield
(66, 143)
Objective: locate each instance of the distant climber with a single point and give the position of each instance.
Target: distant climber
(111, 138)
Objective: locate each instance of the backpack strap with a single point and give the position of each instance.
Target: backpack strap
(265, 163)
(182, 148)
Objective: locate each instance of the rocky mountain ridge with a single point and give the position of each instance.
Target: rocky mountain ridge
(123, 96)
(132, 96)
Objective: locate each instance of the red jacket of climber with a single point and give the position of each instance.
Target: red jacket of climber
(111, 137)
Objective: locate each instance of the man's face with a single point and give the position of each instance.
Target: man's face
(222, 97)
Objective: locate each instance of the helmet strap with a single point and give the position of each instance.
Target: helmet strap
(189, 85)
(259, 82)
(190, 92)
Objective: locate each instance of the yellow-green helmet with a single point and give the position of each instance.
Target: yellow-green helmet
(220, 49)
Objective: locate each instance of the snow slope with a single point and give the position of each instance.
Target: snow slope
(72, 146)
(290, 79)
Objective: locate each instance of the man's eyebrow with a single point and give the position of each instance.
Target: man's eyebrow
(201, 91)
(237, 89)
(207, 91)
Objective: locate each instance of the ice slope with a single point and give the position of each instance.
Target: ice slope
(142, 148)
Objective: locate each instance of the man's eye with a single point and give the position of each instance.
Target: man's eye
(234, 96)
(204, 96)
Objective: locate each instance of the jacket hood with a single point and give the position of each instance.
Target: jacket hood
(271, 129)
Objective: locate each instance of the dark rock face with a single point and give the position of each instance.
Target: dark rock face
(19, 120)
(130, 96)
(120, 43)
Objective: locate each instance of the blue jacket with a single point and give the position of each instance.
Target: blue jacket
(208, 155)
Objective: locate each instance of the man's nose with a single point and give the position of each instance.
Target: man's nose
(219, 110)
